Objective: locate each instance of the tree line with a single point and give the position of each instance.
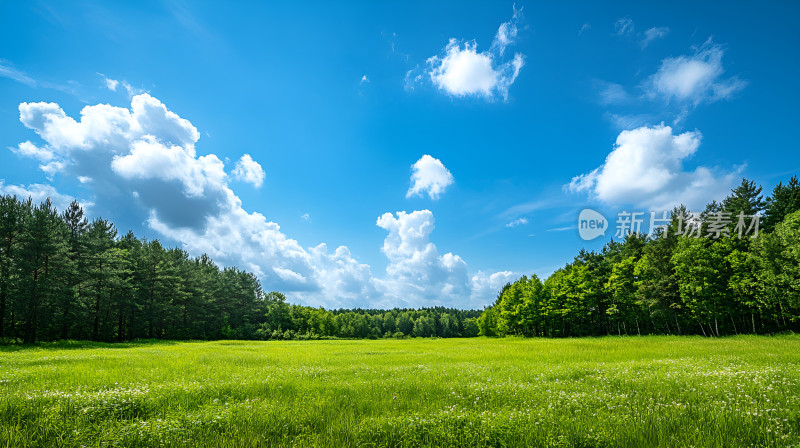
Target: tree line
(64, 277)
(288, 321)
(716, 282)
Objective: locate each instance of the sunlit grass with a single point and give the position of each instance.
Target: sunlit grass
(638, 392)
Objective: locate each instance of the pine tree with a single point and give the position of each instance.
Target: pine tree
(77, 224)
(745, 198)
(784, 201)
(13, 215)
(42, 259)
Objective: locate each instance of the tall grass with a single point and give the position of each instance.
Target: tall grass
(637, 392)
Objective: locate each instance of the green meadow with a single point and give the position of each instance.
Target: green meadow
(592, 392)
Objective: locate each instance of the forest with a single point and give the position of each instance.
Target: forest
(715, 282)
(65, 277)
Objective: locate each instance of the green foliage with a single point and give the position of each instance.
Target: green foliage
(784, 201)
(671, 283)
(62, 277)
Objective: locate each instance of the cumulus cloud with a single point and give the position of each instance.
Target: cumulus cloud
(488, 285)
(646, 169)
(428, 175)
(694, 78)
(250, 171)
(414, 261)
(141, 163)
(464, 71)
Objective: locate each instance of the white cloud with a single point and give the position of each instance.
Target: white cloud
(28, 149)
(250, 171)
(111, 84)
(486, 286)
(506, 33)
(585, 27)
(518, 222)
(696, 78)
(428, 175)
(38, 193)
(561, 229)
(646, 169)
(414, 261)
(623, 26)
(8, 71)
(652, 34)
(412, 78)
(306, 217)
(364, 79)
(463, 71)
(143, 164)
(613, 93)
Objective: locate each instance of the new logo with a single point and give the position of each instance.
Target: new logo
(591, 224)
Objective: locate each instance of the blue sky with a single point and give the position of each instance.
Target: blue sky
(527, 114)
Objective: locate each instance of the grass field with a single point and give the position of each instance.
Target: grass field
(638, 392)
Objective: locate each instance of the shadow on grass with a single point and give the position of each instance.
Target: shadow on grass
(8, 346)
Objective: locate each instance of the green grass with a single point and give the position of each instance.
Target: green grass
(637, 392)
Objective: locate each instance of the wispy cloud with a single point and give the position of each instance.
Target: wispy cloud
(526, 207)
(7, 70)
(518, 222)
(561, 229)
(652, 34)
(623, 26)
(694, 78)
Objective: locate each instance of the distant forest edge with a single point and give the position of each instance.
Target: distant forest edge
(671, 284)
(63, 277)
